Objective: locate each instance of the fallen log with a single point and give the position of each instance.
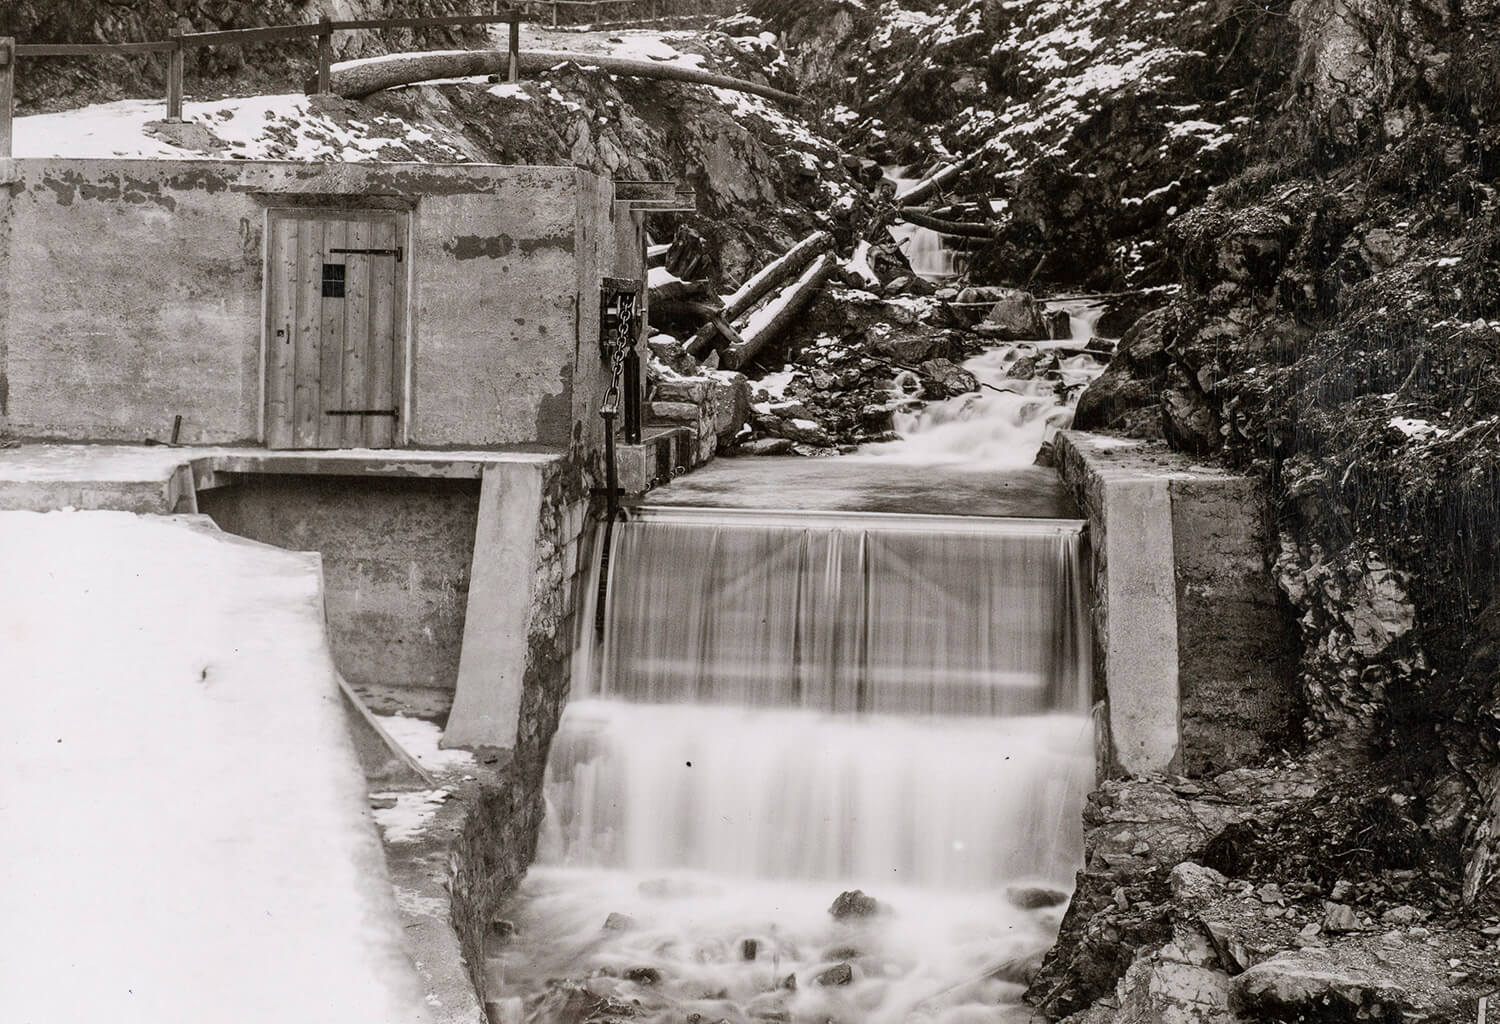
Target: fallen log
(773, 274)
(769, 277)
(965, 228)
(942, 177)
(703, 338)
(776, 315)
(663, 314)
(359, 78)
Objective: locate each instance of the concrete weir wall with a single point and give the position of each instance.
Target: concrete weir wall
(1189, 634)
(131, 292)
(396, 557)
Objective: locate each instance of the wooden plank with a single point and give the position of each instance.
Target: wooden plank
(307, 413)
(514, 49)
(281, 323)
(239, 36)
(174, 80)
(356, 331)
(89, 49)
(400, 341)
(655, 190)
(451, 21)
(331, 342)
(325, 56)
(380, 370)
(7, 94)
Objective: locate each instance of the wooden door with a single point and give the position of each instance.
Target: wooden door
(335, 327)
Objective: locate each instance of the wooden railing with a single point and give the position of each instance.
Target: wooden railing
(179, 43)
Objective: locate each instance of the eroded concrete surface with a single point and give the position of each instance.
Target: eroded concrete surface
(1189, 634)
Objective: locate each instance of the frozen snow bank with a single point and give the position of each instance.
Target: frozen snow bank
(186, 832)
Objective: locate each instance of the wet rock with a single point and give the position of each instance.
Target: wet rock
(504, 931)
(1059, 325)
(749, 949)
(790, 982)
(1034, 897)
(1126, 396)
(1311, 984)
(805, 432)
(944, 379)
(853, 903)
(643, 975)
(618, 922)
(1020, 970)
(1024, 368)
(766, 446)
(1015, 316)
(838, 974)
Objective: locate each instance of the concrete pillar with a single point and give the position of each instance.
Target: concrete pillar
(496, 645)
(1141, 647)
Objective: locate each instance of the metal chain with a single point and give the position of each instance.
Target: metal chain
(624, 335)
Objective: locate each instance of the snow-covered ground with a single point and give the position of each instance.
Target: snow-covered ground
(281, 127)
(185, 823)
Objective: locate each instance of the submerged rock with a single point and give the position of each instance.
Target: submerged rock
(1034, 897)
(838, 974)
(853, 903)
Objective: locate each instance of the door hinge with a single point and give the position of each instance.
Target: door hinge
(397, 252)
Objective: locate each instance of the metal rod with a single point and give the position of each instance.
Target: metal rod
(611, 484)
(515, 52)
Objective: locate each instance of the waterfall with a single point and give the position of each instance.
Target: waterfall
(784, 706)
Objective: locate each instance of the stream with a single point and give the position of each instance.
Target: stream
(829, 765)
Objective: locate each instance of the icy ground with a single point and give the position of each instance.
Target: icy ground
(186, 832)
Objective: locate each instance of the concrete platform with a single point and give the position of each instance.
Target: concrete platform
(164, 479)
(853, 483)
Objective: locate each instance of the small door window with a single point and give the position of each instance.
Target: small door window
(333, 280)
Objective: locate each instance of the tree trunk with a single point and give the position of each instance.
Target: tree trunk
(944, 176)
(771, 276)
(354, 80)
(968, 229)
(781, 312)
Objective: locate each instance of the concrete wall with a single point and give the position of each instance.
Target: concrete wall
(1189, 641)
(131, 292)
(528, 556)
(396, 557)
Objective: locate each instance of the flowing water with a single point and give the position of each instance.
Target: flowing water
(789, 705)
(926, 250)
(1008, 419)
